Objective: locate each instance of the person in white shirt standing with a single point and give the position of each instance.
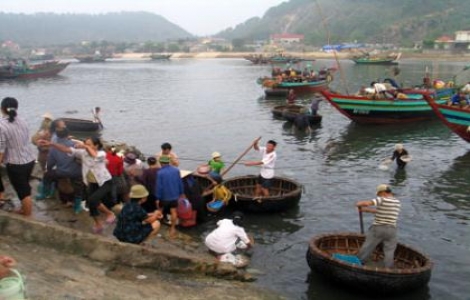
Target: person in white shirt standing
(267, 164)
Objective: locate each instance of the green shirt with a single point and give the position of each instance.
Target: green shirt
(216, 166)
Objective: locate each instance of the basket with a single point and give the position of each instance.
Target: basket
(12, 288)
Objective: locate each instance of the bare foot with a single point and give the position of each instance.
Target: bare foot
(172, 234)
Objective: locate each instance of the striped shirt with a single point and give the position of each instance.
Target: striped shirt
(14, 142)
(387, 211)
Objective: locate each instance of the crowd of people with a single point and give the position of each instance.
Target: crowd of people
(117, 187)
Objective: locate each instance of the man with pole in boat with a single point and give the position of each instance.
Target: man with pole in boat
(384, 228)
(267, 164)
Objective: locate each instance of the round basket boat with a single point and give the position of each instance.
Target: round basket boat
(412, 269)
(284, 194)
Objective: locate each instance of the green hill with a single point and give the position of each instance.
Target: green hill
(401, 22)
(44, 29)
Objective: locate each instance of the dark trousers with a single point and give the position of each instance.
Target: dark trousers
(19, 176)
(99, 194)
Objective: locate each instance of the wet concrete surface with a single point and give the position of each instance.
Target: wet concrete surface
(61, 259)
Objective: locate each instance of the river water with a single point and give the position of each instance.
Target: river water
(201, 106)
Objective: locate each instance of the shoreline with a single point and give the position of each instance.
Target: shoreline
(305, 55)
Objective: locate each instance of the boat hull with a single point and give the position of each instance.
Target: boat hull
(81, 125)
(412, 269)
(284, 194)
(276, 92)
(456, 119)
(375, 62)
(42, 70)
(305, 87)
(368, 111)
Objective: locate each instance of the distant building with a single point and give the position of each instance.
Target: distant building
(10, 45)
(459, 44)
(286, 38)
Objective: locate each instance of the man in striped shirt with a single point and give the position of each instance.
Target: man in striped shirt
(384, 228)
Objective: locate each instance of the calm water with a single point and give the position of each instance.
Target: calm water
(201, 106)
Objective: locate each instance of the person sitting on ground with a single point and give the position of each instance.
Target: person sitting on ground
(227, 238)
(216, 164)
(221, 196)
(167, 151)
(398, 154)
(134, 224)
(384, 228)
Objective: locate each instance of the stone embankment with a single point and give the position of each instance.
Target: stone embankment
(61, 259)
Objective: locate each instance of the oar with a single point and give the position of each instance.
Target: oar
(361, 222)
(239, 157)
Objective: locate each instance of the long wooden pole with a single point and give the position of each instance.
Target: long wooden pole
(240, 157)
(361, 222)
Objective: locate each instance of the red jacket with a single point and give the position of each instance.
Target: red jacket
(115, 164)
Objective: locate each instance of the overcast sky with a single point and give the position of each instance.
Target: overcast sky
(200, 17)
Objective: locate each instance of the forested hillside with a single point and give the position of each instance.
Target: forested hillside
(398, 21)
(44, 29)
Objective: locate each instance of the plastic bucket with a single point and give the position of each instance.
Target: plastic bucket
(12, 288)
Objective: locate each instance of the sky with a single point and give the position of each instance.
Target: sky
(200, 17)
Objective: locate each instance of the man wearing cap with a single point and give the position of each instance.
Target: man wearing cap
(216, 164)
(166, 150)
(169, 189)
(134, 224)
(384, 228)
(267, 164)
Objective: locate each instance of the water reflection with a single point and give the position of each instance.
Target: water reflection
(318, 287)
(452, 187)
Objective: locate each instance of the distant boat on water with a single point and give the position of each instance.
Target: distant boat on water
(31, 71)
(367, 59)
(160, 56)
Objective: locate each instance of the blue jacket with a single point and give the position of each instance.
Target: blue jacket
(169, 184)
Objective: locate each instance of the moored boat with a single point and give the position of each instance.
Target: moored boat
(81, 125)
(32, 71)
(455, 118)
(160, 56)
(412, 269)
(276, 93)
(90, 58)
(364, 110)
(284, 194)
(376, 60)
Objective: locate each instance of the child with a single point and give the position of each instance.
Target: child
(221, 196)
(216, 165)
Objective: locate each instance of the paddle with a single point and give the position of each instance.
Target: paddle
(239, 157)
(361, 222)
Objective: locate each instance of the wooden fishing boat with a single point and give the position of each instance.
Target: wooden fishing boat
(90, 58)
(295, 113)
(81, 125)
(284, 194)
(32, 71)
(412, 268)
(363, 110)
(160, 56)
(257, 59)
(299, 87)
(455, 118)
(283, 59)
(376, 60)
(276, 93)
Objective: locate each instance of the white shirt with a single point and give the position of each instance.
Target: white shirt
(223, 238)
(269, 161)
(95, 165)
